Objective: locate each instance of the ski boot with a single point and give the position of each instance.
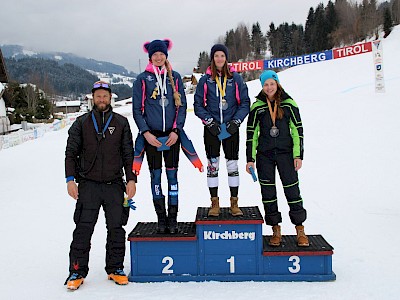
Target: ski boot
(74, 281)
(119, 277)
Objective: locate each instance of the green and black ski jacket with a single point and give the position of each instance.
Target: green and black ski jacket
(259, 123)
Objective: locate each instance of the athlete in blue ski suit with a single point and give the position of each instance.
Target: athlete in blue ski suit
(221, 99)
(159, 110)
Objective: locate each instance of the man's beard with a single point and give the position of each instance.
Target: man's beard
(103, 108)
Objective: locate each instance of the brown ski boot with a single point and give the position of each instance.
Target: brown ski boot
(214, 210)
(302, 239)
(276, 238)
(234, 209)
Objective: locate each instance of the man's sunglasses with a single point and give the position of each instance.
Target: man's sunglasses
(101, 84)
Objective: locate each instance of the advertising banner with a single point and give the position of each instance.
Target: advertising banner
(292, 61)
(378, 65)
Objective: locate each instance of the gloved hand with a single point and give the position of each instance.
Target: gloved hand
(129, 203)
(233, 126)
(214, 128)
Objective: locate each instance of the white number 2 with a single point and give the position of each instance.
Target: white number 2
(231, 262)
(169, 261)
(296, 264)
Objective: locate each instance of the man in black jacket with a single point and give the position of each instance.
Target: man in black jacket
(99, 147)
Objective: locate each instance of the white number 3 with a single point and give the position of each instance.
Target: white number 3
(296, 264)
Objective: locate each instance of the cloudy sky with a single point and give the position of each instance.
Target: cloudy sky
(115, 31)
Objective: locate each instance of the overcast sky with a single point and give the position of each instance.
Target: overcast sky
(115, 31)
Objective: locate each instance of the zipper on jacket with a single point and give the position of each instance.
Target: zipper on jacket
(163, 108)
(101, 152)
(220, 100)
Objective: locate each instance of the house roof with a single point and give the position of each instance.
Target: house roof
(3, 71)
(72, 103)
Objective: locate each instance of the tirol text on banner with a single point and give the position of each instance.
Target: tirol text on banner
(378, 65)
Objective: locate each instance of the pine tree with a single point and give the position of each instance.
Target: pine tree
(230, 43)
(297, 33)
(43, 107)
(387, 22)
(287, 39)
(309, 31)
(272, 41)
(320, 41)
(203, 62)
(258, 41)
(20, 98)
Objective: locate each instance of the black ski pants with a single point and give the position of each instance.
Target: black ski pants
(267, 163)
(230, 145)
(93, 195)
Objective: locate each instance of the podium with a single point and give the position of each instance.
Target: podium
(225, 248)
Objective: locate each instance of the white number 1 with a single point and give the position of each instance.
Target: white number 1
(231, 262)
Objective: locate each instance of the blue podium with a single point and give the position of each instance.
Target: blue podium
(225, 248)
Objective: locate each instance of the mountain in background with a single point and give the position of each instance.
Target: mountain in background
(17, 52)
(64, 74)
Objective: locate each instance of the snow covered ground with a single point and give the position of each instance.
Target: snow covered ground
(348, 181)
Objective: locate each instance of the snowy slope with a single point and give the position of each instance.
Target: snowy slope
(348, 181)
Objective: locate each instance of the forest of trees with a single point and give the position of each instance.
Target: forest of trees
(67, 80)
(52, 79)
(339, 23)
(55, 79)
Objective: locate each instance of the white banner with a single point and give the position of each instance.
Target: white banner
(377, 49)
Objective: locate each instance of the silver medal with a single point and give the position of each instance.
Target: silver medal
(274, 131)
(224, 104)
(163, 101)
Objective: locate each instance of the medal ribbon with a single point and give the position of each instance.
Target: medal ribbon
(96, 127)
(221, 95)
(161, 84)
(272, 113)
(221, 90)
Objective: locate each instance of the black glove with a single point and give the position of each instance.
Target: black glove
(214, 128)
(233, 126)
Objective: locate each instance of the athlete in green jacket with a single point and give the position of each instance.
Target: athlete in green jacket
(275, 140)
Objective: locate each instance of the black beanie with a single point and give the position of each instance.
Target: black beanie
(219, 47)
